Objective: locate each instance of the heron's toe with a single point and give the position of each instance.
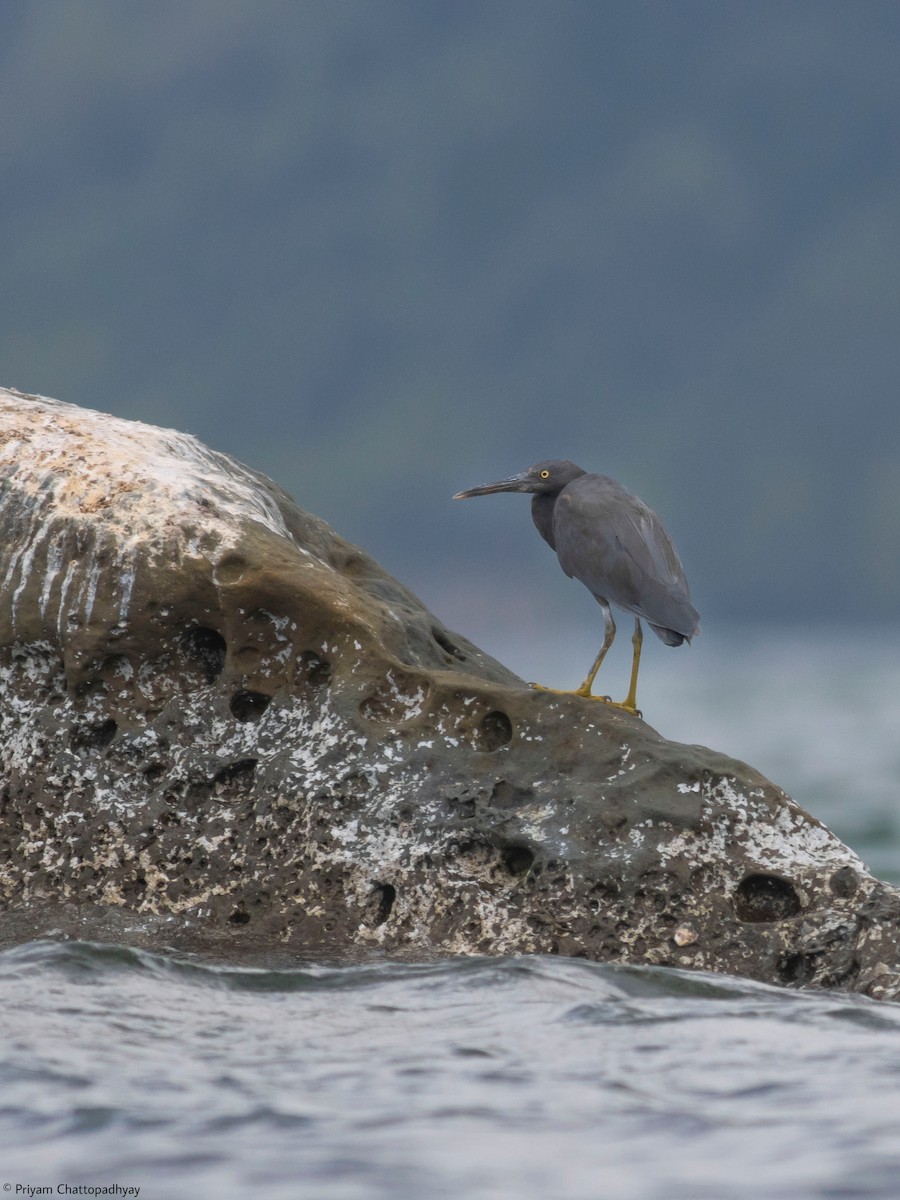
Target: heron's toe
(584, 693)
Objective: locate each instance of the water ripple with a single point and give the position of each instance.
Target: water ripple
(526, 1076)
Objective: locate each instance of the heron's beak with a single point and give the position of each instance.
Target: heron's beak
(518, 483)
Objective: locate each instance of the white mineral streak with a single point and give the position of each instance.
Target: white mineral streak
(787, 841)
(133, 483)
(409, 705)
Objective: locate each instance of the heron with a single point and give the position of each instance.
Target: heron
(617, 546)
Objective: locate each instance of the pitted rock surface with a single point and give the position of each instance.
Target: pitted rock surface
(223, 726)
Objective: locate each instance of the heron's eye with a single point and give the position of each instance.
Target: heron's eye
(545, 474)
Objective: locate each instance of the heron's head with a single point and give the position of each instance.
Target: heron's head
(547, 478)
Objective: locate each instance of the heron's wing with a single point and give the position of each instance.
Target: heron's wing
(618, 548)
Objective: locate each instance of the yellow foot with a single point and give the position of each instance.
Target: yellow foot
(587, 695)
(623, 704)
(584, 693)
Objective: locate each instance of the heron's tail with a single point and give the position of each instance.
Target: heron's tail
(671, 636)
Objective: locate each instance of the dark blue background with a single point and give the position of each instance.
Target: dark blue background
(386, 250)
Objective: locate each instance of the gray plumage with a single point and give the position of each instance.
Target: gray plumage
(612, 542)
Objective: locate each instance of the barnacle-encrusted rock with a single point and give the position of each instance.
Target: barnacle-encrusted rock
(224, 725)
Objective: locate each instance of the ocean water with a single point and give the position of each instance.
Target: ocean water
(481, 1078)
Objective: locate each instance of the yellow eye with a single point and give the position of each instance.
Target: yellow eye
(545, 474)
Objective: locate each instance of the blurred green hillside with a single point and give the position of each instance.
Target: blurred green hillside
(386, 249)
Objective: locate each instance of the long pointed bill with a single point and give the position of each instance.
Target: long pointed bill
(518, 483)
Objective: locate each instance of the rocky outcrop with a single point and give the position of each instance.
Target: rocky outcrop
(225, 727)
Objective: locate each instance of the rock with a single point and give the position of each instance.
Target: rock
(226, 729)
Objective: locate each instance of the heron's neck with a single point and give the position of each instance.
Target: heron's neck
(542, 515)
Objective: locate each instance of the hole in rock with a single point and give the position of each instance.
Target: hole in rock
(844, 882)
(239, 917)
(93, 737)
(229, 569)
(505, 795)
(241, 773)
(207, 649)
(385, 895)
(249, 706)
(88, 689)
(797, 968)
(135, 887)
(494, 730)
(462, 806)
(446, 645)
(766, 898)
(517, 859)
(313, 670)
(116, 670)
(197, 793)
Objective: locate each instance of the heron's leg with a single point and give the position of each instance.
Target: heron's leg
(609, 633)
(585, 689)
(630, 701)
